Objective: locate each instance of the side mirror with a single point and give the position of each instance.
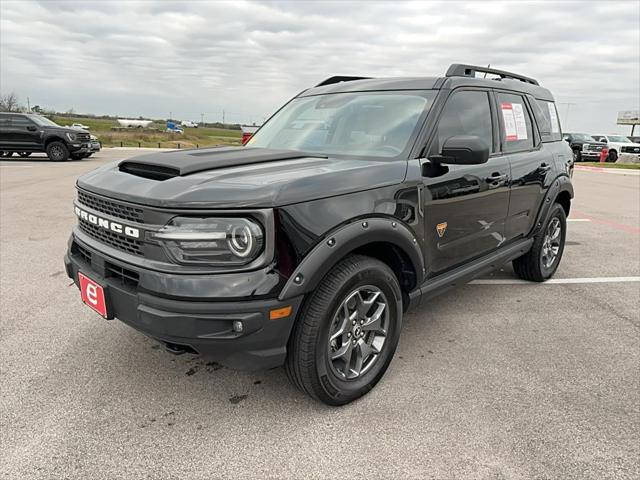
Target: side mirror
(463, 150)
(32, 128)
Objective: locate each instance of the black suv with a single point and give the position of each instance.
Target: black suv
(358, 199)
(584, 146)
(25, 133)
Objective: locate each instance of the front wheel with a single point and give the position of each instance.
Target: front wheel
(613, 156)
(347, 333)
(57, 152)
(541, 262)
(577, 155)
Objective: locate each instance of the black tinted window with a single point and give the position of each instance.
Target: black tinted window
(516, 130)
(547, 117)
(20, 122)
(465, 113)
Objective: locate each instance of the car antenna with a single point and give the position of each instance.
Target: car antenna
(485, 73)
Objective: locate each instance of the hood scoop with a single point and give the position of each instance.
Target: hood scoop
(166, 165)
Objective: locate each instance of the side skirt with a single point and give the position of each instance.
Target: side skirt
(465, 273)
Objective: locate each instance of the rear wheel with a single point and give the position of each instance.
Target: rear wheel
(347, 333)
(57, 151)
(541, 262)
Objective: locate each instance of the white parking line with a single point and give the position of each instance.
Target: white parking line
(554, 281)
(578, 219)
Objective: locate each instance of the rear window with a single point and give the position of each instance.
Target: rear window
(547, 117)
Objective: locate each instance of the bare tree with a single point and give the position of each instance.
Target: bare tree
(10, 103)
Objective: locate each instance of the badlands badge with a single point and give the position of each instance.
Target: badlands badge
(441, 228)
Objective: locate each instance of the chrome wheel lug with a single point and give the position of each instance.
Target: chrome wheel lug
(361, 322)
(349, 335)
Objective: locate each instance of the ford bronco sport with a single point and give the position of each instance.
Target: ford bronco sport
(358, 199)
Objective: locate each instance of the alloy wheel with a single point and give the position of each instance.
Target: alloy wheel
(358, 332)
(551, 243)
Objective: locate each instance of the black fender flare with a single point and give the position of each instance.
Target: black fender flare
(559, 185)
(346, 238)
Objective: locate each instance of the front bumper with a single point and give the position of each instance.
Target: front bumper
(197, 325)
(79, 147)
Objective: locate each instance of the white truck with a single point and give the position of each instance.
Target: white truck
(617, 145)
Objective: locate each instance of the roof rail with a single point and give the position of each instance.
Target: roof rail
(461, 70)
(338, 79)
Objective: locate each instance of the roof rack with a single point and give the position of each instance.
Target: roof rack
(338, 79)
(461, 70)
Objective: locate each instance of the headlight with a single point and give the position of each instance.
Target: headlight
(72, 136)
(212, 241)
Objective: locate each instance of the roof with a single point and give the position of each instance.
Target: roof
(457, 76)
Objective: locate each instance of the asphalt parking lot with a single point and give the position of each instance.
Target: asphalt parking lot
(498, 379)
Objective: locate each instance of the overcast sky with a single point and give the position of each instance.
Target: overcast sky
(150, 58)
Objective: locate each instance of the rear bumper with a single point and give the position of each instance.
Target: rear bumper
(197, 325)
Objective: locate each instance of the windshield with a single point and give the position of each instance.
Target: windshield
(582, 136)
(618, 139)
(377, 124)
(43, 121)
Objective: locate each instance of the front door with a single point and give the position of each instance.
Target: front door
(465, 206)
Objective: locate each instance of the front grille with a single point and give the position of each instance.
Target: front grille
(115, 209)
(129, 245)
(592, 148)
(630, 149)
(124, 275)
(83, 137)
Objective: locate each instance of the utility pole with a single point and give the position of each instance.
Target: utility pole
(223, 117)
(566, 115)
(170, 115)
(28, 105)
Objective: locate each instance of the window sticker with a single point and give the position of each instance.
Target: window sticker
(515, 125)
(553, 116)
(509, 122)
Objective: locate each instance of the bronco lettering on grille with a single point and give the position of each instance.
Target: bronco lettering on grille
(107, 224)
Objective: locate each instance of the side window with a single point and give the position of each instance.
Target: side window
(547, 117)
(21, 122)
(466, 113)
(517, 131)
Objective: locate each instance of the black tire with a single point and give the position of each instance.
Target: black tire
(24, 154)
(613, 156)
(577, 155)
(308, 365)
(531, 266)
(57, 152)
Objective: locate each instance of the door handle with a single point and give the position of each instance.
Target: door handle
(544, 168)
(496, 179)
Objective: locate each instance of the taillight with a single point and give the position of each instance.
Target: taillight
(245, 137)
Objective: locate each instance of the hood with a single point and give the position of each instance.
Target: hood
(237, 177)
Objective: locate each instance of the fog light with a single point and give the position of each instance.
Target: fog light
(237, 326)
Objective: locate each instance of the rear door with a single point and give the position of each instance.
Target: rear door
(465, 206)
(5, 140)
(24, 133)
(531, 164)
